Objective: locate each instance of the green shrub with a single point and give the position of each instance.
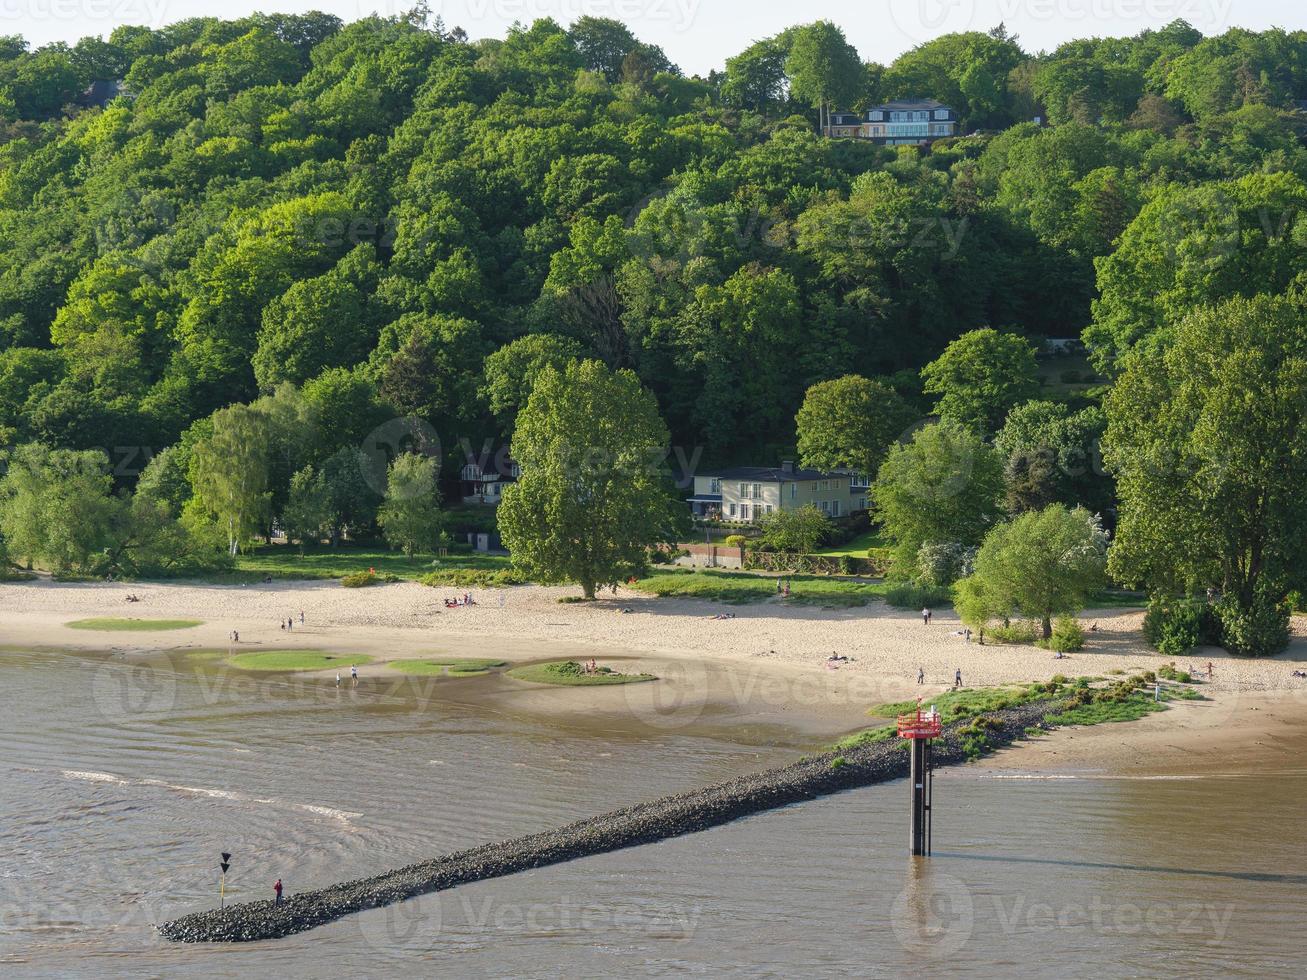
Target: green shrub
(481, 577)
(1017, 632)
(1067, 636)
(912, 595)
(1259, 631)
(1175, 626)
(735, 540)
(358, 580)
(839, 762)
(1169, 672)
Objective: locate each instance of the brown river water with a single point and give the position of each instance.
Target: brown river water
(121, 781)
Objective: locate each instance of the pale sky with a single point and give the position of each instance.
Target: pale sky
(700, 34)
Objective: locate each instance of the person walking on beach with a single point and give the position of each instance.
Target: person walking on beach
(338, 680)
(1209, 670)
(921, 675)
(353, 675)
(925, 617)
(957, 679)
(277, 889)
(967, 635)
(301, 617)
(290, 622)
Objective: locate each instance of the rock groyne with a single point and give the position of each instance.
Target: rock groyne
(644, 823)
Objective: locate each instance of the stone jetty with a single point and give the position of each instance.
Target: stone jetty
(645, 823)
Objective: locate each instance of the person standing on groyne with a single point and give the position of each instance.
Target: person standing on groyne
(277, 889)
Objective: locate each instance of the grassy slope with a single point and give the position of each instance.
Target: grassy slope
(114, 623)
(284, 561)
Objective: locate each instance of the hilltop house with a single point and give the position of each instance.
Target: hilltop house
(749, 493)
(906, 122)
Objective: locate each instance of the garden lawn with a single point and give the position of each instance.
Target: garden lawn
(131, 625)
(296, 660)
(863, 546)
(569, 673)
(739, 588)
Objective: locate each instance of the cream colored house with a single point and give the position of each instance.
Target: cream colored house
(749, 493)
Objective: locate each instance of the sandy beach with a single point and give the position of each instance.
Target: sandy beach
(769, 655)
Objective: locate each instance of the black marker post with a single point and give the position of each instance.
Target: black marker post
(222, 884)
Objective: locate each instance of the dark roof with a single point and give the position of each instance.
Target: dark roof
(770, 474)
(899, 104)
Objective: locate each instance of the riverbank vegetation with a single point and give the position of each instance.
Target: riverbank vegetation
(740, 588)
(1073, 701)
(306, 281)
(569, 673)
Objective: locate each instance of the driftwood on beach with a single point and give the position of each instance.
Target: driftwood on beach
(644, 823)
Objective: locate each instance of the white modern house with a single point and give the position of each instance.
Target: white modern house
(749, 493)
(906, 122)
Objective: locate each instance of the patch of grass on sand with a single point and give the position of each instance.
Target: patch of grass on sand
(132, 625)
(740, 588)
(466, 667)
(296, 660)
(969, 702)
(569, 673)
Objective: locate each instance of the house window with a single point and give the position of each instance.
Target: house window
(714, 485)
(730, 509)
(794, 489)
(769, 508)
(862, 503)
(835, 508)
(744, 512)
(877, 116)
(941, 113)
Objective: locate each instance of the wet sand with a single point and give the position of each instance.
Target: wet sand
(764, 667)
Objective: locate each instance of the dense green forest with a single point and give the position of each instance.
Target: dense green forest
(277, 234)
(374, 209)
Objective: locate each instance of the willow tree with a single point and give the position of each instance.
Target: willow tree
(593, 495)
(1038, 565)
(229, 473)
(1205, 437)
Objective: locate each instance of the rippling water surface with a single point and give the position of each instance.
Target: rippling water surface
(122, 782)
